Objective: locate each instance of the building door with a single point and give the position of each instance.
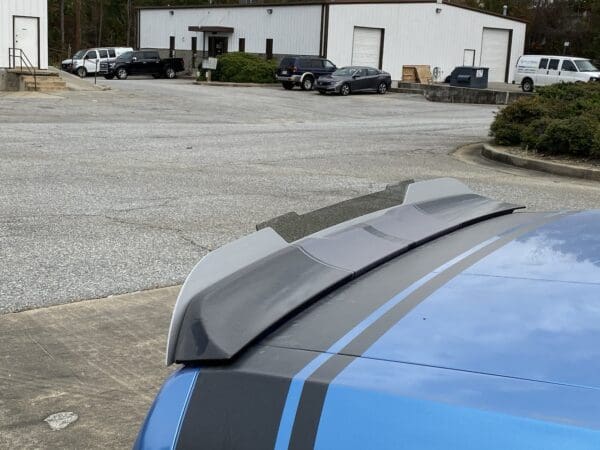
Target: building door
(366, 47)
(26, 37)
(495, 53)
(217, 45)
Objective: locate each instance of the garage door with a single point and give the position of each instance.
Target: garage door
(494, 52)
(366, 46)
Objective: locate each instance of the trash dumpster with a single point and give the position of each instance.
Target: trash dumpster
(468, 76)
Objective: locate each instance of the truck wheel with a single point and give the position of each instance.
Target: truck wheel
(527, 85)
(170, 73)
(287, 85)
(82, 72)
(122, 73)
(307, 83)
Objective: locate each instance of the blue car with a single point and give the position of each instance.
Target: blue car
(445, 320)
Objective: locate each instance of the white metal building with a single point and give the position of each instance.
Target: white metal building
(381, 33)
(24, 26)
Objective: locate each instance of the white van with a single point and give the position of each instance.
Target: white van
(541, 70)
(92, 60)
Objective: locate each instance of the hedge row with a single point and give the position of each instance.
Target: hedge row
(244, 68)
(561, 119)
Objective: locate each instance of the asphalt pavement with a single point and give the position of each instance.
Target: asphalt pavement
(109, 192)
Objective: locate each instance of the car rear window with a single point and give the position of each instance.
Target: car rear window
(111, 52)
(103, 53)
(286, 62)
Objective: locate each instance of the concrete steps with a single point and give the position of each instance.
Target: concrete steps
(23, 80)
(48, 82)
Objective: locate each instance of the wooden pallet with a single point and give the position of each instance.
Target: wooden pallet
(417, 74)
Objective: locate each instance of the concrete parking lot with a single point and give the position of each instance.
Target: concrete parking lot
(110, 192)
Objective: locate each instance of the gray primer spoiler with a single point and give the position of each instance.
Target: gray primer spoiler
(245, 289)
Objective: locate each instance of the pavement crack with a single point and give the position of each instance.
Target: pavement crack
(181, 234)
(40, 346)
(139, 208)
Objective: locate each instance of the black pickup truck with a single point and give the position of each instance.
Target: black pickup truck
(144, 62)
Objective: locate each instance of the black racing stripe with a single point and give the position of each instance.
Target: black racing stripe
(306, 424)
(304, 431)
(239, 405)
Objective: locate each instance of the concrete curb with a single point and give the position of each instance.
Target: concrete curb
(494, 153)
(222, 83)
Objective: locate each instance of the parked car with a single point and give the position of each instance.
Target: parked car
(144, 62)
(539, 70)
(355, 79)
(449, 321)
(303, 71)
(92, 60)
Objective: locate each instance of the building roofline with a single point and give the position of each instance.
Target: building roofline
(489, 13)
(331, 2)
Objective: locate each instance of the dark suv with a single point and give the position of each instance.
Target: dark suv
(303, 71)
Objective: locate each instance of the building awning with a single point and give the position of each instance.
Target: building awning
(211, 29)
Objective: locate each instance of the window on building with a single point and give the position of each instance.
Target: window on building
(543, 63)
(269, 48)
(242, 45)
(194, 44)
(553, 64)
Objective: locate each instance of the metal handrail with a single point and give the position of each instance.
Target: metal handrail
(12, 57)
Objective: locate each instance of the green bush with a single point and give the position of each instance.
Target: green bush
(511, 122)
(244, 68)
(561, 119)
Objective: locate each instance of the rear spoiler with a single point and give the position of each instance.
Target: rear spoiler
(245, 289)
